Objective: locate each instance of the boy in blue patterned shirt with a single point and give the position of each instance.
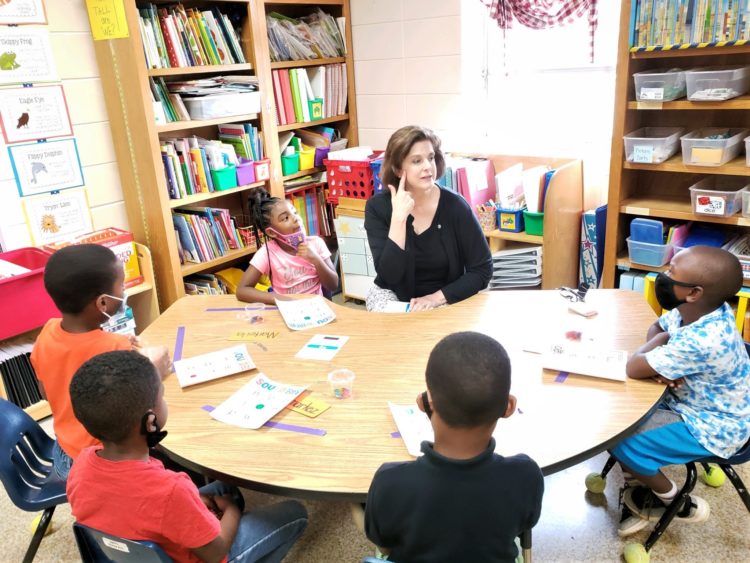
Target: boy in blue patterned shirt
(695, 349)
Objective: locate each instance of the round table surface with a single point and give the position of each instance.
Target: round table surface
(559, 422)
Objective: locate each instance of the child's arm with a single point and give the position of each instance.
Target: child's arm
(218, 549)
(637, 366)
(327, 274)
(654, 329)
(247, 292)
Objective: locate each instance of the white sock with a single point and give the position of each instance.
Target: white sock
(668, 497)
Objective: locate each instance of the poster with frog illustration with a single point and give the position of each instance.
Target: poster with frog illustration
(26, 56)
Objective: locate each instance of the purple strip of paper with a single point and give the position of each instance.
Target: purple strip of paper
(561, 377)
(222, 309)
(396, 434)
(283, 426)
(178, 344)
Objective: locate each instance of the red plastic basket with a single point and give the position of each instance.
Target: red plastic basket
(349, 178)
(24, 303)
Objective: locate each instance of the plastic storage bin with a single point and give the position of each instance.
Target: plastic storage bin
(652, 145)
(349, 178)
(660, 84)
(649, 254)
(320, 155)
(534, 222)
(289, 164)
(225, 179)
(746, 203)
(718, 83)
(700, 150)
(510, 220)
(718, 196)
(262, 169)
(245, 172)
(306, 158)
(222, 105)
(376, 164)
(23, 300)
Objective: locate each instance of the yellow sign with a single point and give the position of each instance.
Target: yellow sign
(254, 335)
(706, 156)
(107, 18)
(308, 406)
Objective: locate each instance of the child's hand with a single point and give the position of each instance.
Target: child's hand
(306, 251)
(225, 503)
(159, 356)
(210, 503)
(660, 339)
(671, 383)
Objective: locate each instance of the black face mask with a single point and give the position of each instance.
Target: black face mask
(426, 404)
(153, 437)
(664, 290)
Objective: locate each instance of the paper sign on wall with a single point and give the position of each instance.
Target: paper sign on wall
(46, 167)
(26, 56)
(56, 217)
(28, 114)
(14, 12)
(107, 19)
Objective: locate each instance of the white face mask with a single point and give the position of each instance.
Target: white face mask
(121, 309)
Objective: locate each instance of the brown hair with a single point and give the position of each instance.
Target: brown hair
(398, 148)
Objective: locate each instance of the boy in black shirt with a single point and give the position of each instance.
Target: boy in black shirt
(460, 501)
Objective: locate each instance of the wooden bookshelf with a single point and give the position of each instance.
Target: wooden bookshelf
(136, 137)
(517, 237)
(333, 119)
(301, 173)
(661, 190)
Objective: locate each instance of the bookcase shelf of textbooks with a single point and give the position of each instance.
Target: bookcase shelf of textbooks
(660, 191)
(127, 68)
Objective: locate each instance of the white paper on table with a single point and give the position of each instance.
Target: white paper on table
(213, 365)
(396, 307)
(413, 425)
(256, 403)
(322, 347)
(299, 314)
(585, 359)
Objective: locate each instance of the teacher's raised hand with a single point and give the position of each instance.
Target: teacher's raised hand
(401, 201)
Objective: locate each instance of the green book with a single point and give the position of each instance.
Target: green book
(298, 115)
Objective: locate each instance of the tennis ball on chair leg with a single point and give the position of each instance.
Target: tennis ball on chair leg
(595, 483)
(714, 477)
(35, 524)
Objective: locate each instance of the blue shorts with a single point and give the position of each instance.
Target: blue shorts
(671, 444)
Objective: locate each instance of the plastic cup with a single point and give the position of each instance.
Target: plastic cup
(342, 382)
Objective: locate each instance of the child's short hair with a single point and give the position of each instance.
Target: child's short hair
(78, 274)
(468, 376)
(111, 392)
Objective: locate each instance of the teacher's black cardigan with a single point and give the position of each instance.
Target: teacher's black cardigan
(469, 258)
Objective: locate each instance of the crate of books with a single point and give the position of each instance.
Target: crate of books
(23, 300)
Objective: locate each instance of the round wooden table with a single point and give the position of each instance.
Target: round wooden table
(558, 423)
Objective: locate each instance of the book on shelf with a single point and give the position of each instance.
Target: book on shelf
(17, 373)
(310, 204)
(205, 284)
(680, 22)
(176, 36)
(315, 36)
(207, 233)
(294, 88)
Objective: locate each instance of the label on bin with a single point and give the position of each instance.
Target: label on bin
(643, 153)
(652, 94)
(710, 205)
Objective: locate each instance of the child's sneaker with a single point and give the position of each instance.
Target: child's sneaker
(644, 503)
(629, 523)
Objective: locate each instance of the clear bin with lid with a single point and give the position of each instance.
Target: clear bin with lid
(661, 85)
(649, 254)
(718, 196)
(712, 146)
(714, 84)
(652, 145)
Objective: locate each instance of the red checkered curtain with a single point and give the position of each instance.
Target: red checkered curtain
(543, 14)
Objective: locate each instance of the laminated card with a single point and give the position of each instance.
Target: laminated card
(213, 365)
(256, 402)
(299, 314)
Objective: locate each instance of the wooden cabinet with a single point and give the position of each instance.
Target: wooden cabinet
(125, 80)
(660, 191)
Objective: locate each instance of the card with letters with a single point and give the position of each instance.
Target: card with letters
(585, 359)
(413, 425)
(213, 365)
(322, 347)
(256, 403)
(300, 314)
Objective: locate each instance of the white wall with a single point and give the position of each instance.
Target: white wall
(73, 47)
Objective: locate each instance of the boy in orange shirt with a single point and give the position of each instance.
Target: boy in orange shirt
(86, 283)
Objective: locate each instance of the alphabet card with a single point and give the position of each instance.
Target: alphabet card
(256, 402)
(299, 314)
(213, 365)
(322, 347)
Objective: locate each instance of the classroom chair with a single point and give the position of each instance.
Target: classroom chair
(635, 552)
(98, 547)
(26, 469)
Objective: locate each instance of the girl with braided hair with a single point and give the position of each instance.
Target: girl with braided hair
(294, 262)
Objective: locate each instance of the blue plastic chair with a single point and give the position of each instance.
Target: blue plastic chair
(26, 469)
(98, 547)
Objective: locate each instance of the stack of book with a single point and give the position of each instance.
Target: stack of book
(205, 233)
(295, 88)
(205, 284)
(678, 22)
(316, 36)
(516, 267)
(188, 163)
(245, 138)
(310, 204)
(179, 37)
(19, 379)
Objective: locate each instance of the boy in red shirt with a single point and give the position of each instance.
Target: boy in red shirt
(118, 489)
(86, 283)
